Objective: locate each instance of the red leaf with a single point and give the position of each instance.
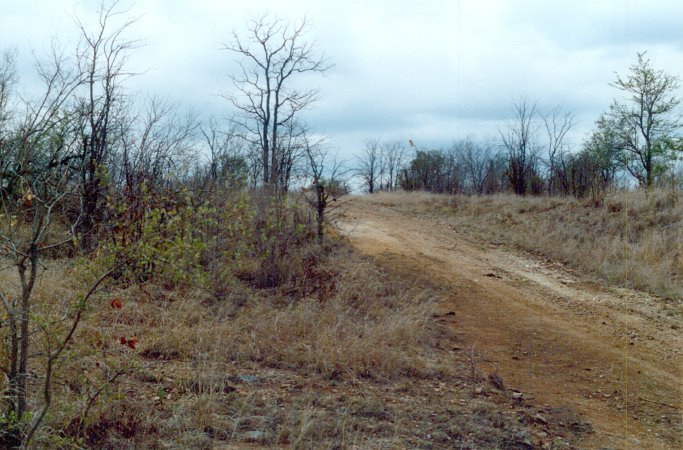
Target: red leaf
(132, 342)
(116, 303)
(122, 340)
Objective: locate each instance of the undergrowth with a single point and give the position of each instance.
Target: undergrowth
(221, 296)
(233, 327)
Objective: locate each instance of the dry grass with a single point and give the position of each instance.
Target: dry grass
(632, 238)
(194, 350)
(260, 368)
(341, 354)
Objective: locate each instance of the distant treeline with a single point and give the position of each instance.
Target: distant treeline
(636, 139)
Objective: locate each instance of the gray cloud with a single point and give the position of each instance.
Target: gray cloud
(430, 71)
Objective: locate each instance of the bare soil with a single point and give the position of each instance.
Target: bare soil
(611, 355)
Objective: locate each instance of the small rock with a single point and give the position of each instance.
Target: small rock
(540, 419)
(517, 395)
(254, 436)
(248, 378)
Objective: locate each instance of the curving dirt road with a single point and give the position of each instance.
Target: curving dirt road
(613, 355)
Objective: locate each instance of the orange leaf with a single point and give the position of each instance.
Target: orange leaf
(116, 303)
(28, 199)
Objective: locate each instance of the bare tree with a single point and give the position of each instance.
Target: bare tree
(325, 173)
(496, 179)
(8, 78)
(272, 56)
(475, 157)
(102, 58)
(291, 148)
(558, 124)
(519, 139)
(165, 143)
(226, 155)
(393, 157)
(369, 164)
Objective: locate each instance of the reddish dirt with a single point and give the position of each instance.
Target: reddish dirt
(612, 355)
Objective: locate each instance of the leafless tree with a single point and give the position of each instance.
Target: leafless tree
(272, 56)
(475, 156)
(370, 164)
(325, 173)
(496, 179)
(519, 139)
(291, 148)
(8, 79)
(165, 143)
(558, 124)
(227, 162)
(393, 157)
(102, 59)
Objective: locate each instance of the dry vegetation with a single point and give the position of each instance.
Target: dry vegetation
(629, 238)
(327, 351)
(189, 303)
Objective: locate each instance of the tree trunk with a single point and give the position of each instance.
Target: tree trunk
(320, 209)
(27, 288)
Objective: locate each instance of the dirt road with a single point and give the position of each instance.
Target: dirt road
(613, 355)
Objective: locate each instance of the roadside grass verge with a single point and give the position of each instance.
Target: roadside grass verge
(631, 239)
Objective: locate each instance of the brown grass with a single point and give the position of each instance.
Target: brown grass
(195, 349)
(632, 238)
(341, 354)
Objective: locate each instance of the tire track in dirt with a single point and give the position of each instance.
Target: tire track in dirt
(613, 355)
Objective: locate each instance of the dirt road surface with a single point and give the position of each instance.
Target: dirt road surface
(613, 355)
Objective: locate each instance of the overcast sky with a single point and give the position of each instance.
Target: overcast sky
(431, 70)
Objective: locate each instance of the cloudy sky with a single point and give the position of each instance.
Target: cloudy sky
(428, 70)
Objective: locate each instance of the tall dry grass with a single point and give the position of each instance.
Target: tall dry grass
(194, 348)
(336, 353)
(365, 328)
(631, 239)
